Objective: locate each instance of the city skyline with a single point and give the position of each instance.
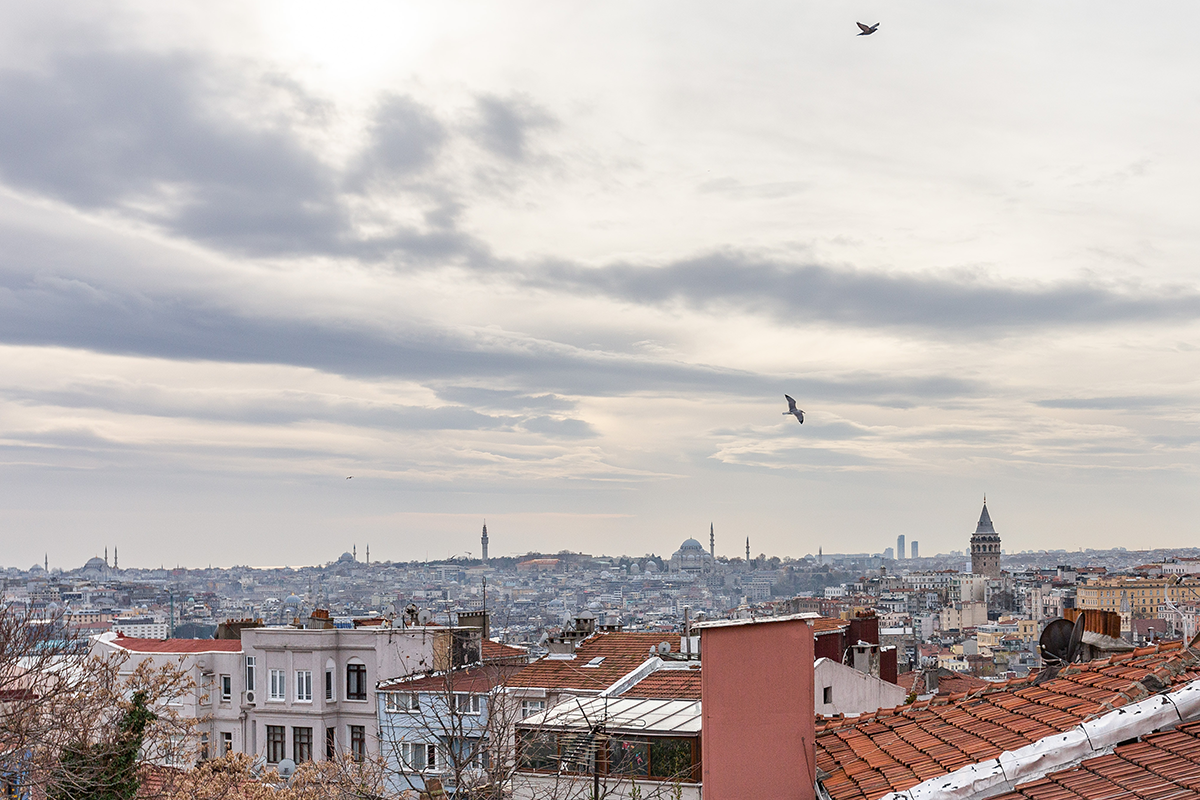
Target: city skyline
(557, 267)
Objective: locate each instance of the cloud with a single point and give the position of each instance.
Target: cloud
(504, 126)
(1110, 403)
(215, 156)
(796, 294)
(405, 139)
(94, 314)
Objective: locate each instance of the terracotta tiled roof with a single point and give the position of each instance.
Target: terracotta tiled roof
(478, 679)
(667, 684)
(175, 646)
(621, 651)
(496, 651)
(1161, 765)
(867, 757)
(826, 624)
(949, 682)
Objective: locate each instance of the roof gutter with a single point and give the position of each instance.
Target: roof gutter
(1059, 751)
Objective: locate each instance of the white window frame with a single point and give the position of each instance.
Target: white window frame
(277, 685)
(403, 703)
(250, 665)
(471, 701)
(304, 686)
(428, 761)
(531, 707)
(226, 742)
(226, 688)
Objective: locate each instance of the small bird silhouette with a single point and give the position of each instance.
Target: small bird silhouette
(867, 31)
(348, 477)
(795, 412)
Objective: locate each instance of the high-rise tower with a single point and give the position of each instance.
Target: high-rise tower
(900, 547)
(913, 545)
(985, 546)
(483, 540)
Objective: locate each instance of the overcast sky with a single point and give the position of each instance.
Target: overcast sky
(555, 265)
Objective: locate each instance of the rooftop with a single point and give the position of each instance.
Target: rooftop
(627, 714)
(1161, 765)
(598, 661)
(865, 758)
(673, 684)
(173, 646)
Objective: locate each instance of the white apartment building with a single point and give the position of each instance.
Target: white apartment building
(143, 627)
(286, 692)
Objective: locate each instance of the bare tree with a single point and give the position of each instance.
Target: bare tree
(74, 725)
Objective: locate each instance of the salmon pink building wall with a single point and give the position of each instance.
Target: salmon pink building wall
(757, 739)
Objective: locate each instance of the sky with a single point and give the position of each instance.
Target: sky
(554, 266)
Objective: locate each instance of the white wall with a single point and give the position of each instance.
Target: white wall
(853, 692)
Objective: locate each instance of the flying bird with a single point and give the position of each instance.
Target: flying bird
(795, 412)
(348, 477)
(867, 31)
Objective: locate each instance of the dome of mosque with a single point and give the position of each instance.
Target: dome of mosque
(95, 563)
(345, 557)
(691, 544)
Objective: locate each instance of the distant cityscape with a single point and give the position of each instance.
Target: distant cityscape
(532, 596)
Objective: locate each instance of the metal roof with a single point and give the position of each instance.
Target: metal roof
(627, 715)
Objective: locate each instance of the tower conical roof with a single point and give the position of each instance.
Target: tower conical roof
(985, 521)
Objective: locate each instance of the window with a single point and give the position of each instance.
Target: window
(329, 685)
(539, 750)
(304, 688)
(531, 707)
(330, 744)
(204, 747)
(671, 758)
(226, 688)
(403, 702)
(275, 744)
(419, 756)
(301, 744)
(278, 684)
(358, 741)
(467, 753)
(628, 757)
(466, 703)
(356, 681)
(226, 742)
(827, 695)
(249, 673)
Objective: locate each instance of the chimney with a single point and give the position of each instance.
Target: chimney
(757, 701)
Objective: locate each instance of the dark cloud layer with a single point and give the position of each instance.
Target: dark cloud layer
(800, 293)
(155, 137)
(37, 310)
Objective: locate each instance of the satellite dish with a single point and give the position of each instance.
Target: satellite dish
(664, 647)
(424, 616)
(1076, 638)
(1055, 641)
(286, 768)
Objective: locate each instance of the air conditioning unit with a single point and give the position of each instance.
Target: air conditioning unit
(248, 697)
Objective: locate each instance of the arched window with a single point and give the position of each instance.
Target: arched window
(356, 680)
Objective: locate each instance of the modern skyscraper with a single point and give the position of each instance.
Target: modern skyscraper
(985, 546)
(483, 540)
(900, 547)
(914, 549)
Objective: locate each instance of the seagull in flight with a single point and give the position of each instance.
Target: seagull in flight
(795, 412)
(348, 477)
(867, 30)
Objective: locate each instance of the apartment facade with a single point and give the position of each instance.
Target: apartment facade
(290, 693)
